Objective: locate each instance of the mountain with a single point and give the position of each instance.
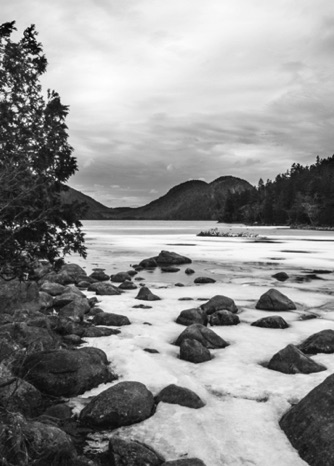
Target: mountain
(192, 200)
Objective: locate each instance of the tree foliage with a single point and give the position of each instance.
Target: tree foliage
(35, 161)
(301, 196)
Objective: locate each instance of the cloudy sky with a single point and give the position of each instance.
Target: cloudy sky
(163, 91)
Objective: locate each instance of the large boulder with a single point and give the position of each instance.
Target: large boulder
(274, 300)
(192, 316)
(291, 360)
(108, 318)
(123, 404)
(219, 303)
(76, 309)
(321, 342)
(127, 285)
(271, 322)
(52, 288)
(132, 453)
(18, 395)
(145, 294)
(15, 294)
(309, 425)
(204, 335)
(99, 275)
(69, 273)
(193, 351)
(120, 277)
(66, 372)
(179, 395)
(104, 289)
(171, 258)
(29, 337)
(224, 317)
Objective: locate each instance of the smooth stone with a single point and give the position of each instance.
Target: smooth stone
(274, 300)
(145, 294)
(271, 322)
(219, 303)
(204, 280)
(223, 317)
(290, 360)
(108, 318)
(193, 351)
(182, 396)
(320, 342)
(192, 316)
(204, 335)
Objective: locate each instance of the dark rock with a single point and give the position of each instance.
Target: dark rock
(99, 275)
(179, 395)
(321, 342)
(193, 351)
(171, 258)
(123, 404)
(45, 300)
(72, 340)
(170, 268)
(180, 285)
(59, 411)
(219, 303)
(84, 284)
(69, 273)
(271, 322)
(192, 316)
(96, 332)
(132, 273)
(95, 310)
(274, 300)
(18, 295)
(204, 280)
(104, 289)
(120, 277)
(281, 276)
(150, 263)
(291, 360)
(66, 372)
(309, 425)
(75, 309)
(189, 271)
(146, 295)
(18, 395)
(224, 317)
(127, 285)
(139, 279)
(52, 288)
(34, 338)
(132, 453)
(108, 318)
(142, 306)
(204, 335)
(151, 350)
(185, 462)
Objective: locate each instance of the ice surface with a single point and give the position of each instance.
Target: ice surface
(244, 400)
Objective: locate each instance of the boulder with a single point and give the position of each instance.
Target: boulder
(108, 318)
(127, 285)
(204, 280)
(99, 275)
(69, 273)
(171, 258)
(131, 272)
(52, 288)
(18, 295)
(189, 271)
(192, 316)
(309, 425)
(66, 372)
(281, 276)
(320, 342)
(17, 395)
(271, 322)
(33, 338)
(290, 360)
(123, 404)
(223, 317)
(170, 269)
(219, 303)
(45, 300)
(132, 453)
(179, 395)
(193, 351)
(204, 335)
(104, 289)
(96, 332)
(145, 294)
(185, 462)
(75, 309)
(120, 277)
(149, 263)
(274, 300)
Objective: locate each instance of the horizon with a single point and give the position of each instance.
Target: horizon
(164, 92)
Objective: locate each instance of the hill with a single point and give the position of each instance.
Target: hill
(95, 210)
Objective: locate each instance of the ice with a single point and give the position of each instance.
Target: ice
(244, 399)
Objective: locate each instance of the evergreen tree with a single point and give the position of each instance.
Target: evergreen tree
(35, 160)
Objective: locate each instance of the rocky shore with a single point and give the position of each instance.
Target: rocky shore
(45, 362)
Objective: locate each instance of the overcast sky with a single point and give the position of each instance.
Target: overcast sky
(163, 91)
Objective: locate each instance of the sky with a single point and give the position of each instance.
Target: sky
(161, 92)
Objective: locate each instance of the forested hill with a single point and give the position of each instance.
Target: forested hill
(301, 196)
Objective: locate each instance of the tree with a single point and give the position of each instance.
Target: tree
(35, 162)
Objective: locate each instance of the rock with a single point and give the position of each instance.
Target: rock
(171, 258)
(170, 269)
(120, 277)
(151, 350)
(75, 309)
(224, 318)
(52, 288)
(127, 285)
(18, 295)
(321, 342)
(84, 284)
(69, 273)
(309, 425)
(146, 295)
(179, 395)
(180, 285)
(189, 271)
(271, 322)
(291, 360)
(219, 303)
(274, 300)
(132, 453)
(204, 280)
(185, 462)
(192, 316)
(33, 338)
(59, 411)
(150, 263)
(131, 272)
(142, 306)
(123, 404)
(70, 294)
(72, 340)
(204, 335)
(45, 300)
(108, 318)
(193, 351)
(17, 395)
(96, 332)
(66, 372)
(281, 276)
(99, 275)
(104, 289)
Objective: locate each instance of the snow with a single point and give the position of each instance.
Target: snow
(244, 400)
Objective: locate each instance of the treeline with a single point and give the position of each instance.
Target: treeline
(301, 196)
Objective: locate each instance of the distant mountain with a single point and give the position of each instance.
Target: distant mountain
(192, 200)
